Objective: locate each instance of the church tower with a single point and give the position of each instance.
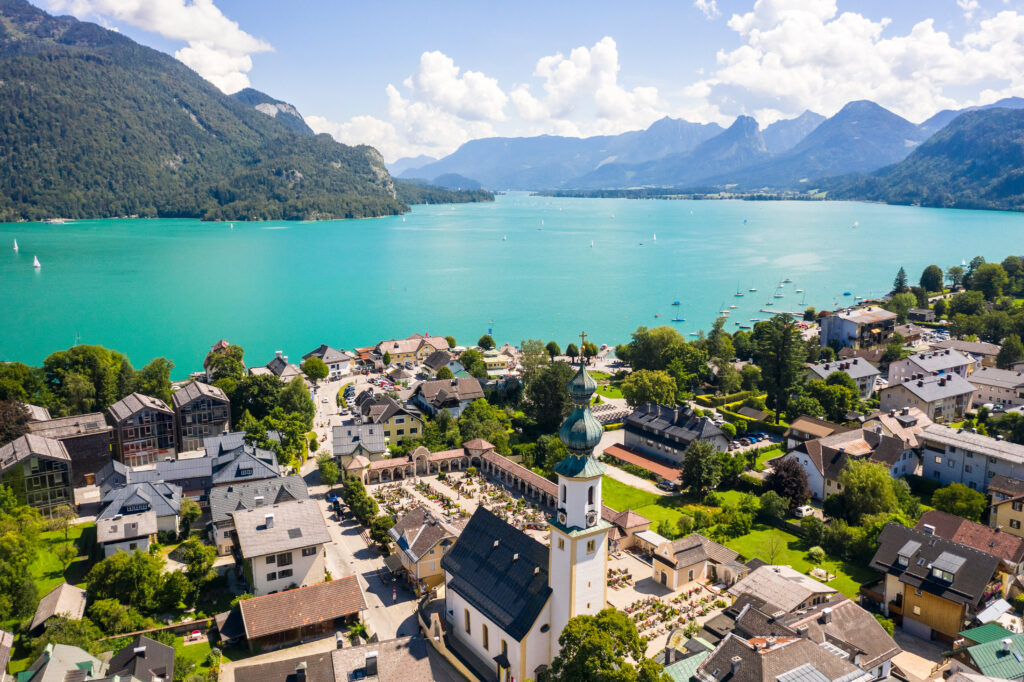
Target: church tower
(579, 537)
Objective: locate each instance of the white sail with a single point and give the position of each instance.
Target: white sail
(35, 262)
(15, 244)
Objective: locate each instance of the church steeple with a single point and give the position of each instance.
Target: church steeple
(580, 432)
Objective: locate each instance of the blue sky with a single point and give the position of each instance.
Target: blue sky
(423, 77)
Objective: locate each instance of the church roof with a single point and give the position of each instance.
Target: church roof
(501, 571)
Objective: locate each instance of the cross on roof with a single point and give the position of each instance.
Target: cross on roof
(583, 338)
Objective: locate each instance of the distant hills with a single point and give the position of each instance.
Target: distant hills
(94, 125)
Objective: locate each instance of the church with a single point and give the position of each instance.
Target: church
(507, 596)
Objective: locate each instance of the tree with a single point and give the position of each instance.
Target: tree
(702, 467)
(901, 305)
(1011, 352)
(729, 380)
(63, 630)
(599, 648)
(175, 592)
(444, 374)
(315, 368)
(572, 351)
(480, 419)
(451, 341)
(590, 350)
(867, 489)
(548, 396)
(198, 558)
(990, 279)
(931, 278)
(780, 355)
(804, 404)
(955, 275)
(836, 399)
(13, 421)
(133, 578)
(789, 480)
(77, 393)
(155, 379)
(643, 386)
(886, 623)
(810, 314)
(532, 356)
(258, 395)
(66, 553)
(486, 342)
(386, 359)
(961, 501)
(940, 308)
(114, 618)
(750, 377)
(654, 348)
(774, 506)
(379, 528)
(774, 546)
(188, 512)
(295, 399)
(553, 350)
(329, 471)
(899, 285)
(719, 342)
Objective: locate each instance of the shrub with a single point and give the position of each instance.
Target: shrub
(712, 500)
(816, 554)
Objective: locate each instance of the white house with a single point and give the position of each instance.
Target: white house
(126, 533)
(282, 545)
(998, 386)
(339, 362)
(931, 363)
(823, 459)
(861, 371)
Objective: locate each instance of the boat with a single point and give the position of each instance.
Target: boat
(678, 319)
(787, 280)
(504, 238)
(856, 223)
(542, 222)
(403, 219)
(723, 312)
(657, 314)
(694, 334)
(613, 216)
(737, 323)
(35, 262)
(654, 238)
(778, 295)
(752, 289)
(738, 294)
(963, 262)
(770, 303)
(755, 319)
(733, 307)
(847, 293)
(675, 302)
(15, 244)
(233, 225)
(591, 243)
(799, 291)
(55, 221)
(744, 326)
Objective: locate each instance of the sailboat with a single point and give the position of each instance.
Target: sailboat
(591, 243)
(752, 289)
(15, 244)
(963, 262)
(232, 226)
(35, 262)
(738, 294)
(504, 238)
(654, 238)
(542, 222)
(675, 302)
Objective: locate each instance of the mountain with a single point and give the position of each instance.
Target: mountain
(454, 181)
(94, 125)
(406, 162)
(285, 113)
(781, 136)
(977, 161)
(549, 161)
(737, 147)
(860, 138)
(944, 117)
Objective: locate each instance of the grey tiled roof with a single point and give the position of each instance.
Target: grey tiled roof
(347, 439)
(438, 359)
(31, 445)
(855, 368)
(296, 524)
(111, 529)
(223, 442)
(162, 498)
(231, 498)
(1000, 378)
(194, 390)
(781, 586)
(790, 659)
(134, 403)
(418, 531)
(678, 423)
(156, 662)
(974, 442)
(972, 347)
(68, 427)
(444, 392)
(328, 354)
(247, 463)
(36, 413)
(940, 360)
(64, 599)
(190, 474)
(695, 547)
(937, 387)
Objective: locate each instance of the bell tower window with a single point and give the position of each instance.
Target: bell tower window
(590, 495)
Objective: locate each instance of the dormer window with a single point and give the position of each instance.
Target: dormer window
(939, 574)
(902, 560)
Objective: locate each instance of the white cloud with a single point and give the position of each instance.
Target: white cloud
(709, 8)
(968, 7)
(217, 48)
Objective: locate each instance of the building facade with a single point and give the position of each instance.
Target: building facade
(862, 372)
(960, 456)
(665, 432)
(942, 397)
(87, 438)
(932, 363)
(869, 327)
(282, 547)
(143, 430)
(200, 410)
(38, 472)
(1002, 388)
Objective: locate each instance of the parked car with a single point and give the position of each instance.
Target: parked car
(804, 510)
(666, 485)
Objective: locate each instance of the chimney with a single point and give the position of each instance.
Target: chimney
(371, 663)
(300, 671)
(826, 615)
(803, 631)
(269, 520)
(905, 411)
(855, 361)
(495, 546)
(929, 529)
(1006, 644)
(278, 353)
(769, 642)
(515, 557)
(258, 500)
(735, 663)
(139, 651)
(285, 358)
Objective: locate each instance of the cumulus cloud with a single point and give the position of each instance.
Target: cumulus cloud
(804, 54)
(709, 8)
(217, 48)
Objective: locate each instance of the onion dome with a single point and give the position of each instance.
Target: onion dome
(582, 387)
(580, 432)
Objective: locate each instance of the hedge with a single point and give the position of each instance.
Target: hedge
(755, 424)
(708, 400)
(612, 427)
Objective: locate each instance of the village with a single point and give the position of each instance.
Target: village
(452, 510)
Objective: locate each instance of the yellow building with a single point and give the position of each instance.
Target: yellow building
(397, 421)
(422, 540)
(1008, 515)
(693, 558)
(416, 348)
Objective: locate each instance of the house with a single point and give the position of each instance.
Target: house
(497, 364)
(38, 472)
(143, 659)
(143, 430)
(307, 612)
(931, 585)
(448, 394)
(911, 333)
(227, 499)
(905, 424)
(921, 315)
(63, 663)
(627, 525)
(163, 499)
(35, 413)
(805, 428)
(1007, 505)
(983, 353)
(997, 659)
(232, 460)
(930, 363)
(1006, 547)
(869, 327)
(862, 372)
(86, 437)
(785, 588)
(961, 456)
(441, 358)
(941, 397)
(422, 540)
(823, 459)
(200, 410)
(998, 387)
(282, 545)
(64, 600)
(872, 355)
(340, 363)
(665, 432)
(399, 422)
(778, 659)
(693, 558)
(280, 368)
(126, 533)
(352, 441)
(416, 348)
(194, 476)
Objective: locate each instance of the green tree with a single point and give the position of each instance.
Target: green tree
(643, 386)
(804, 404)
(125, 379)
(444, 374)
(258, 395)
(940, 308)
(572, 351)
(97, 365)
(315, 369)
(955, 275)
(1011, 352)
(62, 630)
(553, 350)
(961, 501)
(198, 558)
(114, 618)
(719, 342)
(774, 506)
(931, 278)
(836, 399)
(788, 480)
(548, 396)
(451, 341)
(486, 342)
(729, 380)
(77, 394)
(702, 467)
(386, 359)
(810, 314)
(899, 285)
(155, 379)
(532, 356)
(379, 528)
(990, 279)
(901, 305)
(329, 471)
(602, 648)
(175, 591)
(188, 512)
(589, 350)
(66, 552)
(13, 421)
(480, 419)
(295, 399)
(867, 489)
(133, 578)
(779, 353)
(750, 377)
(967, 303)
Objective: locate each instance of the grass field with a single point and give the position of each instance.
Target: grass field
(620, 496)
(47, 570)
(193, 653)
(765, 456)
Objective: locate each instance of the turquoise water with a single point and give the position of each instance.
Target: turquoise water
(174, 287)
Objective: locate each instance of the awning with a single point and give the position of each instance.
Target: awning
(993, 611)
(394, 563)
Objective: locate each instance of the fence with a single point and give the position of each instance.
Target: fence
(173, 628)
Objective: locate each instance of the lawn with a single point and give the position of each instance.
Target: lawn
(47, 570)
(609, 391)
(620, 496)
(763, 457)
(193, 653)
(792, 551)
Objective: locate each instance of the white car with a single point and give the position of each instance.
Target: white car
(805, 510)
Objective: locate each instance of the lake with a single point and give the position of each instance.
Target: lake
(522, 266)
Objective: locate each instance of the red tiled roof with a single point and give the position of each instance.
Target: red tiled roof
(477, 444)
(303, 606)
(522, 472)
(997, 543)
(651, 464)
(391, 463)
(629, 519)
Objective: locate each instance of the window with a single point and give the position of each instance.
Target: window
(468, 629)
(271, 576)
(563, 493)
(308, 551)
(561, 543)
(967, 468)
(284, 559)
(902, 560)
(484, 636)
(938, 459)
(591, 546)
(951, 463)
(689, 576)
(286, 573)
(917, 610)
(1018, 506)
(272, 559)
(590, 495)
(1015, 524)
